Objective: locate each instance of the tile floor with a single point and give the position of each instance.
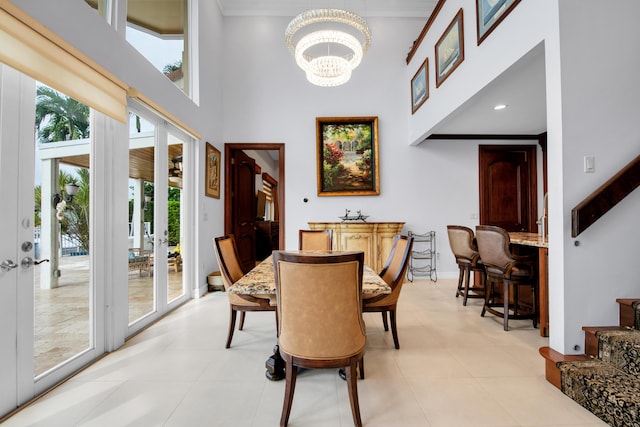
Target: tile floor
(454, 368)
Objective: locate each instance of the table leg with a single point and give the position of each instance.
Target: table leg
(275, 366)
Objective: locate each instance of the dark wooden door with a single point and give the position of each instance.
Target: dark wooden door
(243, 204)
(508, 186)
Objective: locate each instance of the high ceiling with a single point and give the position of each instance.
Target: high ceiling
(522, 87)
(396, 8)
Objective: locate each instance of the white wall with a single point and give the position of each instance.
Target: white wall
(209, 120)
(268, 99)
(524, 28)
(591, 57)
(599, 59)
(252, 91)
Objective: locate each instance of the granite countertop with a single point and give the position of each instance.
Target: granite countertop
(528, 239)
(261, 280)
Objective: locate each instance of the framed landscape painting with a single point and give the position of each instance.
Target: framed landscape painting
(212, 172)
(450, 49)
(490, 13)
(347, 154)
(420, 86)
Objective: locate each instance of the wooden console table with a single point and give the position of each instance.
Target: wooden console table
(373, 238)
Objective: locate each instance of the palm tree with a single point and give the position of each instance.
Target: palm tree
(76, 220)
(59, 117)
(37, 198)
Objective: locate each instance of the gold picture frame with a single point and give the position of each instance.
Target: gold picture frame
(212, 172)
(347, 154)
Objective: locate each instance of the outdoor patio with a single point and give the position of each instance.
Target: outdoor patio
(61, 315)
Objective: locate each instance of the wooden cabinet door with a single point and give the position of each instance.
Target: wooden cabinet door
(375, 239)
(358, 241)
(383, 248)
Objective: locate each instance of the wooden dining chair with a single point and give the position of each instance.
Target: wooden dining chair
(228, 260)
(393, 274)
(320, 318)
(317, 240)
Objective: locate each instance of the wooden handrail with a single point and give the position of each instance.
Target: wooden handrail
(605, 197)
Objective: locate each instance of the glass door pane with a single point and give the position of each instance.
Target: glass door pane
(175, 258)
(142, 291)
(62, 283)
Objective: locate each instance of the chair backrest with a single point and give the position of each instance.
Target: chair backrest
(317, 240)
(397, 262)
(228, 259)
(463, 245)
(493, 245)
(319, 304)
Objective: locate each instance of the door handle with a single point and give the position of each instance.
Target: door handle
(28, 262)
(8, 265)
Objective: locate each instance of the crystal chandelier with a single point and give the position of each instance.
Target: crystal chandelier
(344, 32)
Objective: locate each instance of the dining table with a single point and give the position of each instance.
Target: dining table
(261, 280)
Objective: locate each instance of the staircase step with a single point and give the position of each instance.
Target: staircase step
(552, 357)
(591, 339)
(610, 394)
(621, 349)
(627, 308)
(606, 379)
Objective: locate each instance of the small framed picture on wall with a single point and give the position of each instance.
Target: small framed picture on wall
(450, 49)
(420, 86)
(490, 13)
(212, 172)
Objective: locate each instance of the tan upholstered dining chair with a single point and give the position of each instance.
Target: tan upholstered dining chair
(320, 317)
(463, 245)
(228, 260)
(317, 240)
(507, 273)
(393, 274)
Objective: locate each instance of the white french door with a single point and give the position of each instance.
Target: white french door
(156, 187)
(16, 225)
(48, 298)
(58, 315)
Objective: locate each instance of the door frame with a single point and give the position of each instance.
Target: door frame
(229, 148)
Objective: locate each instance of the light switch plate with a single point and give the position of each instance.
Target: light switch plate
(589, 164)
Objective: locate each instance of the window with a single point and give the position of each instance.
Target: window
(159, 34)
(270, 188)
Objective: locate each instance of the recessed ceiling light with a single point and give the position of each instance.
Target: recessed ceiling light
(500, 107)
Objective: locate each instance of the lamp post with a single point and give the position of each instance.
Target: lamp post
(70, 190)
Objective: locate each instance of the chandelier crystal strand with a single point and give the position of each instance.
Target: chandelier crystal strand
(328, 70)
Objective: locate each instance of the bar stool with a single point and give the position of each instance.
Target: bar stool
(513, 271)
(464, 248)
